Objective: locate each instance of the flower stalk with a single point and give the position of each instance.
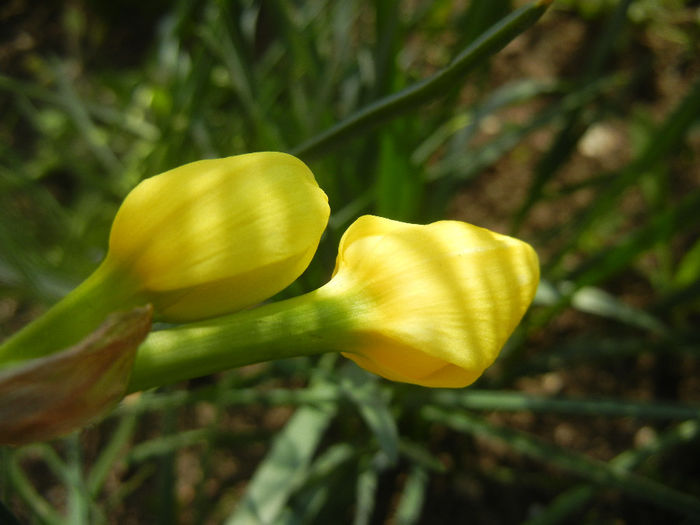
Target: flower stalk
(106, 291)
(301, 326)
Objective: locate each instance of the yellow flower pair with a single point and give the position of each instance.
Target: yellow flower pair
(430, 305)
(435, 303)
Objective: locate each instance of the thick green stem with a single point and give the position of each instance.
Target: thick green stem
(310, 324)
(79, 313)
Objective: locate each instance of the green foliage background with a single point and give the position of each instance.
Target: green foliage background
(579, 136)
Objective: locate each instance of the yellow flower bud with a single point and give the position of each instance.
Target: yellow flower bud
(201, 240)
(219, 235)
(439, 301)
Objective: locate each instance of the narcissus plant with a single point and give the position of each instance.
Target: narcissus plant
(201, 240)
(426, 304)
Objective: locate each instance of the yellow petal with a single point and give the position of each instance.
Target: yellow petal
(446, 297)
(215, 236)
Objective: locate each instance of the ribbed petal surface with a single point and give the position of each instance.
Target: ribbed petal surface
(215, 236)
(447, 296)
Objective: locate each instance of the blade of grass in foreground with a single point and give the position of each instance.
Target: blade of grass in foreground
(596, 301)
(466, 124)
(318, 488)
(167, 444)
(25, 489)
(118, 442)
(274, 481)
(566, 505)
(659, 144)
(574, 124)
(593, 470)
(421, 92)
(366, 493)
(484, 155)
(516, 401)
(286, 463)
(248, 396)
(373, 406)
(610, 261)
(600, 351)
(660, 228)
(409, 507)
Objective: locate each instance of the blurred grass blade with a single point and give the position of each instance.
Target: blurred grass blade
(661, 227)
(165, 473)
(399, 185)
(221, 36)
(24, 487)
(78, 497)
(153, 402)
(287, 462)
(410, 506)
(466, 124)
(688, 270)
(167, 444)
(18, 264)
(87, 128)
(660, 143)
(389, 33)
(373, 405)
(420, 456)
(574, 125)
(609, 261)
(49, 456)
(109, 453)
(479, 16)
(318, 488)
(515, 401)
(462, 167)
(600, 351)
(366, 487)
(595, 471)
(107, 114)
(597, 301)
(421, 92)
(563, 508)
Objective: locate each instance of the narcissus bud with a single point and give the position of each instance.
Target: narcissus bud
(215, 236)
(201, 240)
(444, 297)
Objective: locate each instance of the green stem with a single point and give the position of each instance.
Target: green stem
(489, 43)
(311, 324)
(72, 318)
